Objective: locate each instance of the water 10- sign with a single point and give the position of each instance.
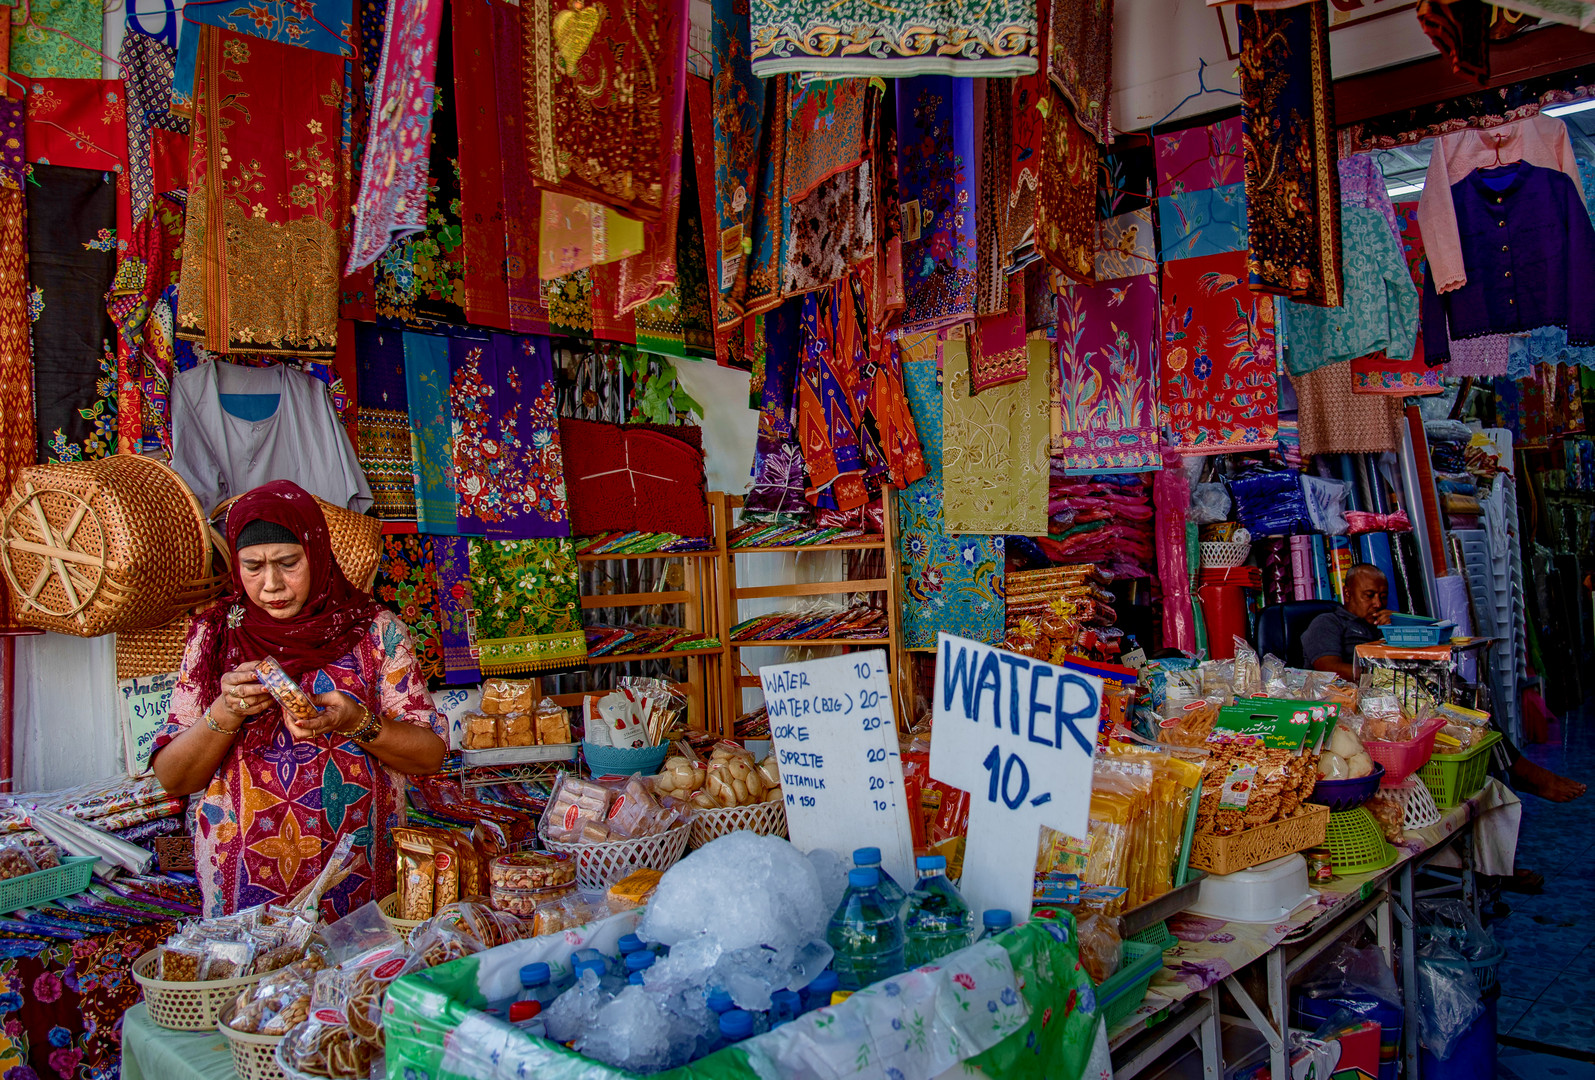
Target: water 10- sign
(1018, 735)
(831, 722)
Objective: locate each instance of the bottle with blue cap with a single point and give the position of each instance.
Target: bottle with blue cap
(719, 1001)
(636, 964)
(891, 892)
(584, 960)
(994, 921)
(537, 984)
(936, 920)
(817, 994)
(785, 1007)
(866, 932)
(735, 1025)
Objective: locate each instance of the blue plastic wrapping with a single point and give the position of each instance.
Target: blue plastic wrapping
(1270, 503)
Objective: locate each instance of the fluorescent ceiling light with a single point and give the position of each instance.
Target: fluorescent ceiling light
(1569, 110)
(1404, 189)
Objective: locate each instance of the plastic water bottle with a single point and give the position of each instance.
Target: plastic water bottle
(527, 1015)
(628, 944)
(594, 961)
(936, 921)
(735, 1025)
(719, 1002)
(537, 984)
(995, 920)
(866, 932)
(785, 1007)
(817, 994)
(639, 962)
(891, 892)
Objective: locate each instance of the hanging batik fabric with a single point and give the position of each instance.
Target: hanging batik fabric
(528, 601)
(426, 384)
(995, 447)
(42, 47)
(598, 86)
(17, 445)
(827, 182)
(407, 582)
(82, 123)
(527, 311)
(1292, 182)
(509, 470)
(1080, 59)
(393, 179)
(1066, 212)
(71, 218)
(153, 130)
(1107, 356)
(1334, 421)
(1218, 371)
(321, 25)
(651, 275)
(936, 152)
(827, 423)
(778, 472)
(739, 117)
(997, 349)
(383, 418)
(151, 264)
(889, 444)
(456, 602)
(695, 241)
(993, 152)
(261, 269)
(480, 163)
(1030, 98)
(951, 584)
(857, 37)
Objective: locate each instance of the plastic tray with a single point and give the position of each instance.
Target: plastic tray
(1454, 778)
(1125, 989)
(1347, 793)
(1154, 911)
(519, 755)
(42, 886)
(1411, 631)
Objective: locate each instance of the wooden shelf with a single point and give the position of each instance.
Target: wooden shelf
(707, 553)
(795, 642)
(804, 549)
(812, 588)
(637, 599)
(670, 654)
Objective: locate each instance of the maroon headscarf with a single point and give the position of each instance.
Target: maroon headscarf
(335, 616)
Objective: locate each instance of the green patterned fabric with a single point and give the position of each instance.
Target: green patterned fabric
(37, 53)
(528, 599)
(988, 38)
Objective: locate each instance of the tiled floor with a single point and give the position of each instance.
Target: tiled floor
(1513, 1064)
(1550, 938)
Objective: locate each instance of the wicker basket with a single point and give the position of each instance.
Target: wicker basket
(765, 819)
(91, 548)
(254, 1056)
(154, 651)
(388, 905)
(356, 540)
(1223, 554)
(1238, 851)
(599, 866)
(185, 1006)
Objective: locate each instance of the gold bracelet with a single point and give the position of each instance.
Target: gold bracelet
(370, 727)
(210, 722)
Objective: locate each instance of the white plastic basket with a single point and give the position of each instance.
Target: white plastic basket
(599, 866)
(1223, 554)
(765, 819)
(1421, 812)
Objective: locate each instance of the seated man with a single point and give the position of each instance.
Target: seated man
(1331, 640)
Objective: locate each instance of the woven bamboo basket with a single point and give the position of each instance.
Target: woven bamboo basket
(96, 547)
(765, 819)
(1239, 851)
(403, 927)
(356, 540)
(141, 653)
(185, 1006)
(254, 1056)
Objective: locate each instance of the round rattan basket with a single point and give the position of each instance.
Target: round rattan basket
(403, 927)
(356, 540)
(254, 1056)
(185, 1006)
(765, 819)
(94, 547)
(599, 866)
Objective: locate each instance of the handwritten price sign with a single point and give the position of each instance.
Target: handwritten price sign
(836, 745)
(1018, 735)
(145, 703)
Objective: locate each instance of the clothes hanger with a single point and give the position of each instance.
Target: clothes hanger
(1202, 88)
(27, 20)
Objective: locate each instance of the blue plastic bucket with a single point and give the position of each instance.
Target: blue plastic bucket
(1473, 1055)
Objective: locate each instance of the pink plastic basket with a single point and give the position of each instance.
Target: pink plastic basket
(1402, 759)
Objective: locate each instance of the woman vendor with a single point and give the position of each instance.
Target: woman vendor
(279, 793)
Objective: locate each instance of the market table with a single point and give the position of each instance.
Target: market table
(1182, 1001)
(150, 1052)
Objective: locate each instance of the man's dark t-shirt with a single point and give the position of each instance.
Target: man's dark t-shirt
(1337, 634)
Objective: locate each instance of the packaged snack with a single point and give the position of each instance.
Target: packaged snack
(531, 870)
(15, 860)
(552, 723)
(1390, 811)
(501, 697)
(227, 960)
(289, 694)
(326, 1049)
(181, 963)
(771, 772)
(634, 812)
(633, 890)
(574, 804)
(1188, 722)
(517, 729)
(525, 902)
(45, 856)
(480, 733)
(417, 877)
(1100, 940)
(734, 778)
(566, 913)
(682, 774)
(1463, 728)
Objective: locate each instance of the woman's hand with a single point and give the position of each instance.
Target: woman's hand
(241, 696)
(340, 713)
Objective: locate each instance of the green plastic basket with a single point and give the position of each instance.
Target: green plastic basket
(1454, 778)
(42, 886)
(1125, 989)
(1356, 843)
(1157, 934)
